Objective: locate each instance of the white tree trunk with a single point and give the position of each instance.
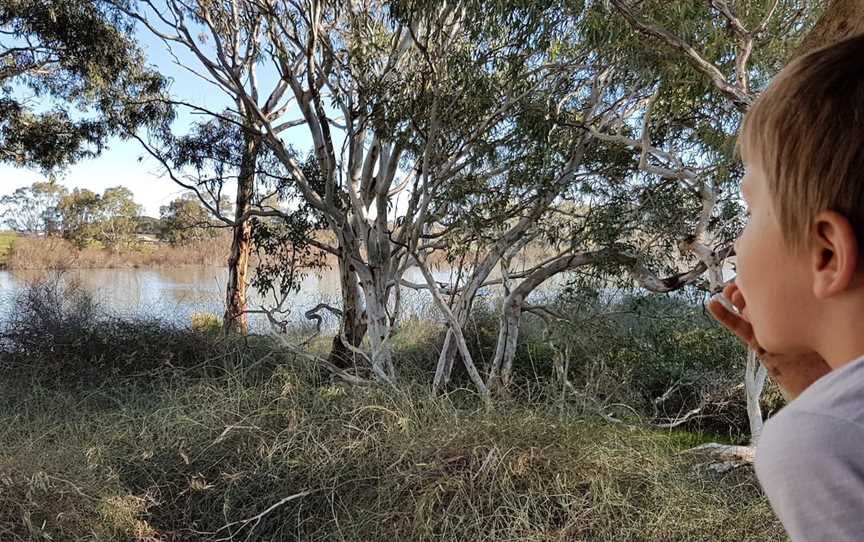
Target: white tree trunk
(754, 383)
(445, 362)
(505, 348)
(456, 328)
(381, 357)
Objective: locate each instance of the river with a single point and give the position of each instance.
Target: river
(175, 294)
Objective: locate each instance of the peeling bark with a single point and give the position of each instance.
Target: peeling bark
(236, 320)
(842, 19)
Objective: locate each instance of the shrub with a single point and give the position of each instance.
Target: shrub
(205, 322)
(58, 332)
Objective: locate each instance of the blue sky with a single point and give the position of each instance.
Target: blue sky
(119, 164)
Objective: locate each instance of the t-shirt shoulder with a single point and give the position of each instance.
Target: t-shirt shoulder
(812, 470)
(840, 394)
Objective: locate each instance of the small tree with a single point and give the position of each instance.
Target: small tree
(185, 220)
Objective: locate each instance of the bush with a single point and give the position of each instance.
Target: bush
(206, 322)
(58, 332)
(651, 357)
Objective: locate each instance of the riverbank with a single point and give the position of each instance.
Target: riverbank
(41, 253)
(26, 253)
(138, 431)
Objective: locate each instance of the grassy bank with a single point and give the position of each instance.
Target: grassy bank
(182, 458)
(7, 239)
(19, 252)
(119, 430)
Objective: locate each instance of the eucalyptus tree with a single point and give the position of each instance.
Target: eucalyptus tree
(110, 218)
(657, 182)
(226, 43)
(70, 78)
(398, 100)
(840, 19)
(33, 209)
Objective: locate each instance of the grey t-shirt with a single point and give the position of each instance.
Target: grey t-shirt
(810, 459)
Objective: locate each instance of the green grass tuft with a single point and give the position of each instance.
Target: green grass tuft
(7, 239)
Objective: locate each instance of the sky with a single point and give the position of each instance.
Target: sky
(119, 164)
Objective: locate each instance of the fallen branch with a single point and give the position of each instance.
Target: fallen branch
(730, 456)
(257, 518)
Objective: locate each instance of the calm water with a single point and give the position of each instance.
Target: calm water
(176, 294)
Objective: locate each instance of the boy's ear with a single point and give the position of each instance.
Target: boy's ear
(834, 254)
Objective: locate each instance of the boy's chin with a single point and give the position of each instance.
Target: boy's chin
(774, 344)
(780, 346)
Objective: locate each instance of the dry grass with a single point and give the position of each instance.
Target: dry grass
(132, 431)
(57, 253)
(180, 459)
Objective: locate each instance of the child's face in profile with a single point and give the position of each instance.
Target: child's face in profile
(773, 278)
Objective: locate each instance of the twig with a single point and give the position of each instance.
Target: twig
(257, 518)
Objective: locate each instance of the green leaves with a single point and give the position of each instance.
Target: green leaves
(109, 219)
(77, 57)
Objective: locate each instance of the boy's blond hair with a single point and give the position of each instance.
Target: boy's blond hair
(806, 131)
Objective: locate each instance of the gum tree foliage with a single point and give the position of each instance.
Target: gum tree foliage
(227, 42)
(78, 216)
(185, 220)
(109, 219)
(212, 159)
(78, 58)
(657, 182)
(705, 65)
(33, 209)
(281, 234)
(760, 38)
(118, 218)
(214, 155)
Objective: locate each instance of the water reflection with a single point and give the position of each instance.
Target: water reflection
(175, 294)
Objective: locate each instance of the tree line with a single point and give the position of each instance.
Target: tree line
(111, 219)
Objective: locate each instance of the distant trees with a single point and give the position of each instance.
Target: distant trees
(185, 220)
(33, 209)
(117, 221)
(110, 219)
(79, 212)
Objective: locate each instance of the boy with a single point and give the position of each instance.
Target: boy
(799, 291)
